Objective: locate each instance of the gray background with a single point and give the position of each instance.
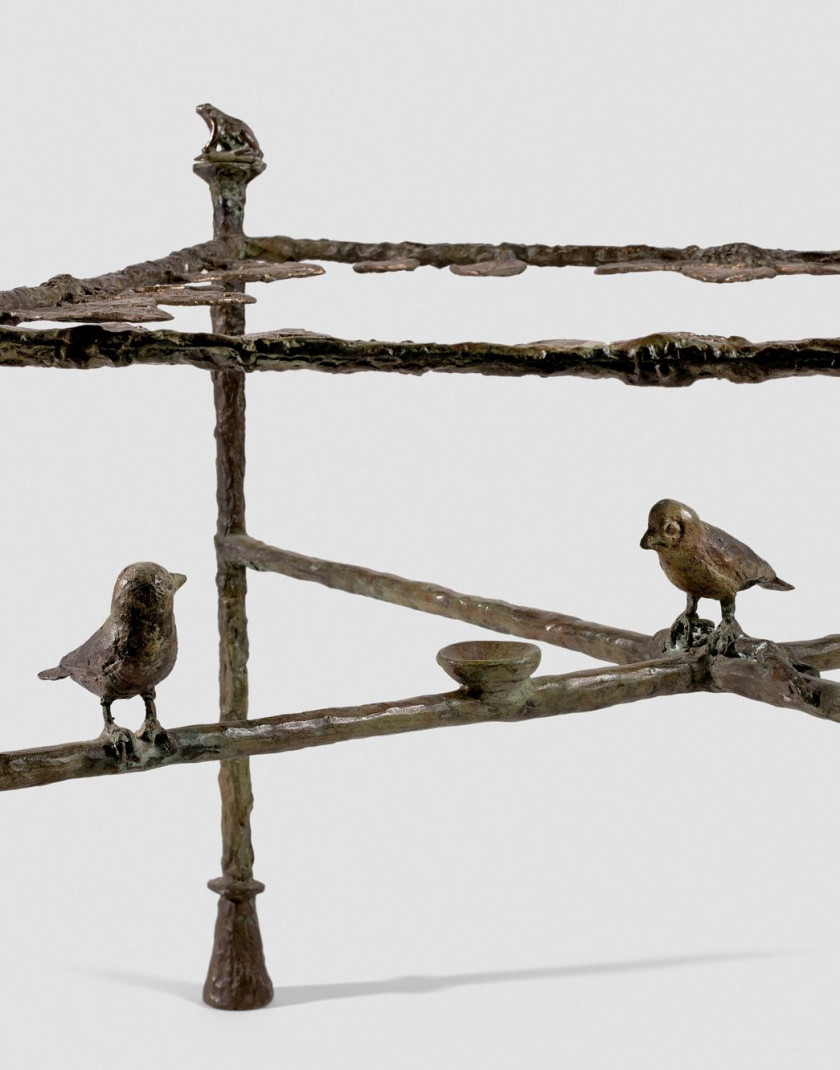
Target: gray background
(649, 886)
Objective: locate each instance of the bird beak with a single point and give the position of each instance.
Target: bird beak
(179, 579)
(649, 541)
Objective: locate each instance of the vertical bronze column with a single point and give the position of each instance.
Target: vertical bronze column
(237, 978)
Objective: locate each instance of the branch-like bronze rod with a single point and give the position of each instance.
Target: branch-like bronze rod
(820, 654)
(171, 268)
(719, 263)
(542, 697)
(767, 674)
(602, 641)
(596, 640)
(657, 360)
(737, 261)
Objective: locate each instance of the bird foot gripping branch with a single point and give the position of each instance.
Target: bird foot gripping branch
(155, 735)
(120, 744)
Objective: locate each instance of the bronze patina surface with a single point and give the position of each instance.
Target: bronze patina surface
(671, 360)
(237, 978)
(494, 677)
(705, 562)
(131, 653)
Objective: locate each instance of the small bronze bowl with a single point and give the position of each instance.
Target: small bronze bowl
(489, 665)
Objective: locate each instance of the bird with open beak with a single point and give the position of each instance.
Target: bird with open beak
(131, 653)
(705, 562)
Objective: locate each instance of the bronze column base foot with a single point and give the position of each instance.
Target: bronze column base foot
(237, 979)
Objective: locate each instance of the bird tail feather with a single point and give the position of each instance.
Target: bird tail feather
(776, 585)
(53, 674)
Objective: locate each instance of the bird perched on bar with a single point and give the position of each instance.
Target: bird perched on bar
(131, 653)
(705, 562)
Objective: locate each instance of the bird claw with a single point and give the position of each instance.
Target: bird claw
(723, 639)
(120, 742)
(688, 631)
(153, 732)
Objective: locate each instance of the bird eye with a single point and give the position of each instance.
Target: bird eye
(673, 528)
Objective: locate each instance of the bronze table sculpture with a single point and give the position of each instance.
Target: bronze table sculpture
(494, 677)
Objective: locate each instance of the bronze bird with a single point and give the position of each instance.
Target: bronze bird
(705, 562)
(131, 653)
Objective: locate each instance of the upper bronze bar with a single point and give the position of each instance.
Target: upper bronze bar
(734, 262)
(656, 360)
(65, 289)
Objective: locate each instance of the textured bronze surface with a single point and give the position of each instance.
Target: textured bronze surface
(479, 666)
(600, 641)
(65, 289)
(134, 306)
(559, 629)
(237, 978)
(133, 651)
(545, 696)
(763, 671)
(735, 262)
(381, 267)
(500, 268)
(656, 360)
(258, 271)
(121, 308)
(227, 135)
(705, 562)
(180, 294)
(495, 677)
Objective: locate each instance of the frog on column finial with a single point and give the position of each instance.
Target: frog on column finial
(227, 135)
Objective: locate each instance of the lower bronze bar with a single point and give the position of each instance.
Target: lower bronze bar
(545, 696)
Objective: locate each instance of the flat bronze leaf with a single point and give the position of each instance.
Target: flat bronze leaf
(288, 332)
(370, 267)
(726, 272)
(702, 271)
(490, 268)
(259, 271)
(198, 295)
(805, 267)
(559, 344)
(124, 310)
(627, 267)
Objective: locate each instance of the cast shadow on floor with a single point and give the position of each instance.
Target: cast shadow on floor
(423, 984)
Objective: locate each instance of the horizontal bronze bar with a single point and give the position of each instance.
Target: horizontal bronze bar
(656, 360)
(542, 697)
(735, 262)
(175, 267)
(769, 673)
